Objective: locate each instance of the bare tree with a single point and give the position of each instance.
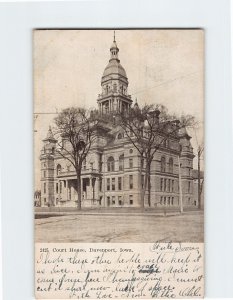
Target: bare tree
(148, 129)
(76, 131)
(200, 184)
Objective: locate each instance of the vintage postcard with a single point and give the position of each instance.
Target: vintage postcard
(119, 163)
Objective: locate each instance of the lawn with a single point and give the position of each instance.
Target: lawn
(188, 227)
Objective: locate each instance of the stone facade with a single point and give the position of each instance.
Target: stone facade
(111, 174)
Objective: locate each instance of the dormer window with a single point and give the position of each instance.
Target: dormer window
(58, 169)
(163, 164)
(110, 164)
(120, 136)
(121, 162)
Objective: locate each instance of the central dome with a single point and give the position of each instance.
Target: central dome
(114, 67)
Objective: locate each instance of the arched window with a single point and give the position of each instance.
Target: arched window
(163, 164)
(121, 162)
(170, 165)
(110, 164)
(58, 169)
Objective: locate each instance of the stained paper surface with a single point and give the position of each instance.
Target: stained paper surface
(105, 271)
(119, 163)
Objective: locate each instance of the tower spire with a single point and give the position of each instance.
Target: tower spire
(114, 49)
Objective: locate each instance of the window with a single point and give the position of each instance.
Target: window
(161, 200)
(169, 185)
(189, 187)
(44, 173)
(142, 163)
(164, 200)
(100, 185)
(111, 164)
(58, 169)
(170, 165)
(120, 200)
(100, 162)
(119, 183)
(172, 185)
(113, 200)
(131, 181)
(121, 162)
(57, 188)
(92, 165)
(60, 186)
(165, 184)
(172, 200)
(106, 107)
(130, 151)
(113, 184)
(168, 201)
(84, 164)
(44, 187)
(131, 163)
(142, 178)
(163, 164)
(108, 184)
(130, 199)
(161, 184)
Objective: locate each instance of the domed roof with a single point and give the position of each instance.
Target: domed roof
(114, 67)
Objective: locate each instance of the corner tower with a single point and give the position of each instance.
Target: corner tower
(114, 83)
(47, 169)
(186, 160)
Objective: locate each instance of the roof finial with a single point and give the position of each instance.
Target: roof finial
(114, 38)
(50, 133)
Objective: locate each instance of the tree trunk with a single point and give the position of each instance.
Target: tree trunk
(79, 191)
(142, 189)
(180, 187)
(149, 185)
(199, 180)
(145, 185)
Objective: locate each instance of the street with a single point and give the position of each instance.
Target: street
(144, 228)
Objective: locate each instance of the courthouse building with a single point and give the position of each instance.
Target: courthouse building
(111, 174)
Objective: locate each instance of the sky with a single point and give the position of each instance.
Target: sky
(162, 66)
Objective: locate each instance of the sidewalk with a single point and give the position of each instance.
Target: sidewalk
(122, 211)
